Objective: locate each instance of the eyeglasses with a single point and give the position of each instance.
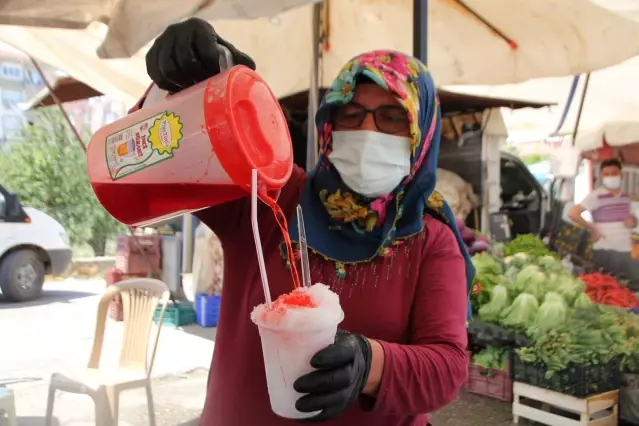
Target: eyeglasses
(388, 119)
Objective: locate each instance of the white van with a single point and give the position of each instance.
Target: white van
(32, 245)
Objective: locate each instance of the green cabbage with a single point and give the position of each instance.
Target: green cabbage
(499, 301)
(582, 301)
(518, 259)
(521, 314)
(552, 313)
(550, 264)
(569, 287)
(529, 280)
(511, 272)
(484, 263)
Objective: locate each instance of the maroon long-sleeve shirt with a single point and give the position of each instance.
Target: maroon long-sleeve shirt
(412, 301)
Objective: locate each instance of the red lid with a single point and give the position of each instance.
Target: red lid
(248, 129)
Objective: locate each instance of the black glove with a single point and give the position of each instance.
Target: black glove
(342, 372)
(186, 53)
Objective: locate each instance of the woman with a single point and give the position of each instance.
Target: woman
(380, 238)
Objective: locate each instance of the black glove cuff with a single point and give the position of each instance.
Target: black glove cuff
(367, 353)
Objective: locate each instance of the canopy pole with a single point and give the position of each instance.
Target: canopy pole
(581, 107)
(57, 101)
(313, 92)
(420, 30)
(571, 95)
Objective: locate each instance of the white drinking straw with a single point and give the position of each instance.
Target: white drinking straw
(258, 241)
(306, 270)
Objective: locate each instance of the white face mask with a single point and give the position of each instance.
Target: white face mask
(612, 182)
(370, 163)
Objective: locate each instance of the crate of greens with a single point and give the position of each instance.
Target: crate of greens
(488, 374)
(580, 357)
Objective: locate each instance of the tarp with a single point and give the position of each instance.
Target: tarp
(133, 23)
(611, 106)
(549, 38)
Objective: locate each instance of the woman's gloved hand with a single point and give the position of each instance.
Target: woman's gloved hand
(342, 372)
(186, 53)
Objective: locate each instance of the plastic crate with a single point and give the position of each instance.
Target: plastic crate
(489, 382)
(207, 309)
(482, 334)
(577, 380)
(130, 259)
(180, 313)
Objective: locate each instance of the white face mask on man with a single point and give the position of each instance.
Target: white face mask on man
(612, 182)
(370, 163)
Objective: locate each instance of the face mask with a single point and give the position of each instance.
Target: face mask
(612, 182)
(370, 163)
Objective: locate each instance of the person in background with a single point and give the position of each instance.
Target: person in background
(379, 235)
(612, 221)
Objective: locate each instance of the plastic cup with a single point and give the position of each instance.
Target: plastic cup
(287, 356)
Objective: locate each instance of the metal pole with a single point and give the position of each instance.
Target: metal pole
(187, 243)
(57, 101)
(581, 107)
(420, 30)
(571, 95)
(313, 92)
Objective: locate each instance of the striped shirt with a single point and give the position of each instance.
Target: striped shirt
(609, 212)
(606, 207)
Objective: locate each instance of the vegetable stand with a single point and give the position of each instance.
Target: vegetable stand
(570, 335)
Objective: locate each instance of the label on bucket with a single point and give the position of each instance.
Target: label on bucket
(143, 144)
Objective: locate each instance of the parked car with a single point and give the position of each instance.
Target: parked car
(32, 245)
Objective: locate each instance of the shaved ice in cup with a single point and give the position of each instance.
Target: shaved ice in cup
(292, 330)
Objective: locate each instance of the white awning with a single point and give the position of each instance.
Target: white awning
(552, 37)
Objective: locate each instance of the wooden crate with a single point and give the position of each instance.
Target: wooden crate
(595, 410)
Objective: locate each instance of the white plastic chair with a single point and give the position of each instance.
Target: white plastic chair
(8, 404)
(140, 299)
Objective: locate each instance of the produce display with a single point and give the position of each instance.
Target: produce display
(475, 242)
(529, 292)
(606, 290)
(529, 244)
(492, 358)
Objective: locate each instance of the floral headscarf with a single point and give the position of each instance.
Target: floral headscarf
(348, 228)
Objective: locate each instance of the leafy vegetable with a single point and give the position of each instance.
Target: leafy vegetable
(569, 287)
(530, 280)
(527, 243)
(485, 264)
(521, 314)
(552, 349)
(550, 264)
(491, 357)
(499, 301)
(552, 313)
(518, 260)
(582, 301)
(592, 335)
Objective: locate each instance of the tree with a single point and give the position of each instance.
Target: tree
(48, 171)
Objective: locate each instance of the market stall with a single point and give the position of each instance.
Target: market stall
(560, 339)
